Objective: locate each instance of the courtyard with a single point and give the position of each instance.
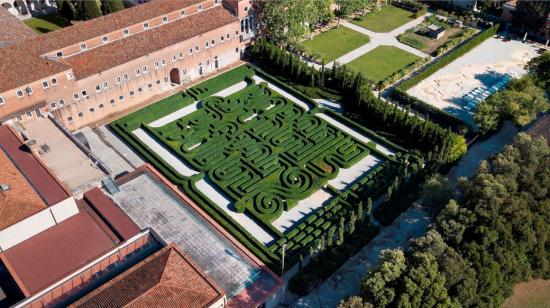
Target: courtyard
(482, 67)
(382, 62)
(335, 43)
(384, 20)
(266, 164)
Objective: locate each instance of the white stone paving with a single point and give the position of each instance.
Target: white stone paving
(232, 89)
(121, 147)
(302, 209)
(164, 153)
(106, 154)
(210, 191)
(353, 133)
(175, 115)
(348, 176)
(283, 93)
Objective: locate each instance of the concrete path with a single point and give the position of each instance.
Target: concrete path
(379, 39)
(121, 147)
(285, 94)
(175, 115)
(232, 89)
(304, 207)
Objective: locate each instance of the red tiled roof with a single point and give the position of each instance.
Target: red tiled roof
(24, 64)
(541, 128)
(43, 182)
(124, 227)
(56, 252)
(12, 30)
(121, 51)
(21, 200)
(165, 279)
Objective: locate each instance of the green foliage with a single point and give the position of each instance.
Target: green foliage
(111, 6)
(87, 9)
(385, 19)
(66, 10)
(334, 43)
(521, 101)
(539, 69)
(436, 192)
(494, 236)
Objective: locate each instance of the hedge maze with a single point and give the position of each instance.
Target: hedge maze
(265, 153)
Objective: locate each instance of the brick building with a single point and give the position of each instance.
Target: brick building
(86, 72)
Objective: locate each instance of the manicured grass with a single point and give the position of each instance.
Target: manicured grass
(335, 43)
(385, 20)
(381, 62)
(46, 23)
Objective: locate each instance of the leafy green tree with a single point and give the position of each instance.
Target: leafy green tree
(377, 287)
(531, 15)
(436, 192)
(88, 9)
(111, 6)
(487, 117)
(354, 302)
(341, 230)
(539, 69)
(66, 10)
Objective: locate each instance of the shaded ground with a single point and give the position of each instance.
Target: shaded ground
(531, 294)
(382, 62)
(386, 19)
(426, 44)
(335, 43)
(46, 23)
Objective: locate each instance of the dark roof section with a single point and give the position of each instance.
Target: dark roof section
(138, 45)
(165, 279)
(43, 182)
(124, 227)
(541, 128)
(12, 30)
(58, 251)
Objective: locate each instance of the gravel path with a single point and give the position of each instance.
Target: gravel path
(283, 93)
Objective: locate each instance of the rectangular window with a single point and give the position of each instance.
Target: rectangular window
(61, 102)
(227, 35)
(199, 7)
(158, 81)
(101, 106)
(221, 38)
(54, 81)
(213, 42)
(1, 100)
(69, 76)
(19, 118)
(146, 25)
(70, 120)
(182, 13)
(118, 79)
(28, 90)
(132, 93)
(163, 62)
(83, 47)
(53, 105)
(206, 45)
(165, 19)
(19, 93)
(140, 89)
(125, 32)
(84, 93)
(98, 88)
(125, 76)
(59, 54)
(45, 84)
(150, 86)
(190, 51)
(112, 101)
(157, 64)
(105, 85)
(196, 48)
(92, 110)
(29, 114)
(166, 79)
(138, 72)
(76, 96)
(105, 39)
(121, 98)
(180, 55)
(145, 69)
(174, 57)
(80, 114)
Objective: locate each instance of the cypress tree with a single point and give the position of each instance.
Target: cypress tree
(330, 237)
(352, 220)
(369, 206)
(360, 211)
(89, 9)
(341, 230)
(111, 6)
(67, 10)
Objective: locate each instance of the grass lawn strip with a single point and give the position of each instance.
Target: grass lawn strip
(386, 19)
(381, 62)
(46, 23)
(336, 42)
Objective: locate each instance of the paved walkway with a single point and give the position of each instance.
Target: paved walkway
(379, 39)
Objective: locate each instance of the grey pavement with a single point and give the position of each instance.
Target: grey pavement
(121, 147)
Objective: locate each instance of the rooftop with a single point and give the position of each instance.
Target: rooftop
(167, 278)
(52, 254)
(146, 197)
(42, 181)
(541, 128)
(12, 30)
(25, 65)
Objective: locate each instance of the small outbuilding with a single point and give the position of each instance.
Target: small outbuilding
(436, 32)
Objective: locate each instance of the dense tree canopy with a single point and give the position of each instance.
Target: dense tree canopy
(531, 15)
(539, 69)
(495, 235)
(520, 102)
(111, 6)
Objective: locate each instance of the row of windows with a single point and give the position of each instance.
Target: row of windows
(126, 31)
(112, 101)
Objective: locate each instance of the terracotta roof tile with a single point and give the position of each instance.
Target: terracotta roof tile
(541, 128)
(121, 51)
(12, 30)
(21, 200)
(165, 279)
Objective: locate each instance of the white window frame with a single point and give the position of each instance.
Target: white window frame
(45, 84)
(70, 119)
(199, 7)
(132, 93)
(2, 101)
(180, 55)
(121, 98)
(118, 80)
(163, 62)
(98, 88)
(29, 114)
(157, 65)
(125, 32)
(138, 71)
(190, 51)
(145, 25)
(28, 90)
(174, 57)
(54, 81)
(69, 76)
(164, 19)
(76, 96)
(105, 85)
(144, 69)
(83, 46)
(105, 39)
(126, 77)
(84, 93)
(19, 93)
(182, 13)
(61, 102)
(59, 54)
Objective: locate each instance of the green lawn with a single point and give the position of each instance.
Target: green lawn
(381, 62)
(46, 23)
(335, 43)
(385, 20)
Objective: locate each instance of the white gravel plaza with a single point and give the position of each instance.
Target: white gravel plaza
(164, 153)
(303, 208)
(175, 115)
(353, 133)
(210, 191)
(232, 89)
(446, 88)
(348, 176)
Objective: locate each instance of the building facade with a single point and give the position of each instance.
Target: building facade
(92, 70)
